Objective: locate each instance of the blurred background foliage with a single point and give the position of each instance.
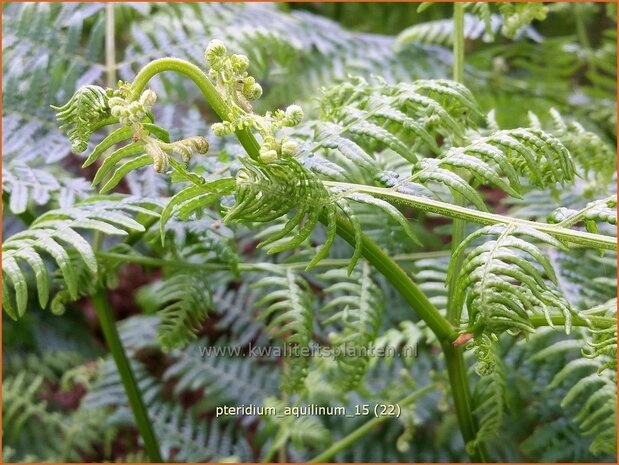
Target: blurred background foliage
(62, 398)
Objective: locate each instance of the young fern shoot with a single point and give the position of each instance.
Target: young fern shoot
(296, 174)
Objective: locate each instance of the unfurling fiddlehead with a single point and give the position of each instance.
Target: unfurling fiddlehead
(149, 144)
(80, 115)
(238, 88)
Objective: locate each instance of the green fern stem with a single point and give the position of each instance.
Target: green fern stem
(458, 226)
(402, 282)
(598, 322)
(458, 42)
(108, 326)
(454, 359)
(110, 45)
(583, 37)
(246, 138)
(368, 426)
(570, 236)
(461, 393)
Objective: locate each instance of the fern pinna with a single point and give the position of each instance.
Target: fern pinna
(242, 240)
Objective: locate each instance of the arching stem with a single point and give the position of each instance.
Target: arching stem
(418, 301)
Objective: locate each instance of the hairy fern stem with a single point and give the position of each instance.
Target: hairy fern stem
(246, 138)
(457, 229)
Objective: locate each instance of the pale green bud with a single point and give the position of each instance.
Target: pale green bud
(199, 144)
(289, 148)
(215, 54)
(252, 92)
(268, 156)
(148, 99)
(219, 129)
(160, 160)
(294, 115)
(239, 63)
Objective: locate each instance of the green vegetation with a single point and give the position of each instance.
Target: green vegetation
(434, 177)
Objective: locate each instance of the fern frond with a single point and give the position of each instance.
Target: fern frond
(405, 339)
(55, 234)
(518, 15)
(588, 149)
(30, 185)
(79, 116)
(356, 310)
(290, 316)
(204, 240)
(505, 279)
(593, 394)
(511, 153)
(441, 31)
(265, 192)
(49, 50)
(184, 300)
(227, 378)
(431, 275)
(373, 117)
(383, 115)
(141, 154)
(602, 73)
(587, 278)
(20, 405)
(195, 197)
(598, 211)
(185, 437)
(302, 431)
(490, 401)
(232, 305)
(83, 434)
(481, 24)
(51, 364)
(602, 343)
(32, 426)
